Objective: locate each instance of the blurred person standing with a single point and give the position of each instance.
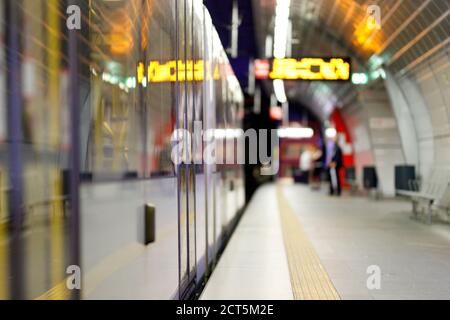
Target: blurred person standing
(317, 169)
(306, 161)
(334, 168)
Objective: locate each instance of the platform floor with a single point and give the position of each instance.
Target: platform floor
(340, 238)
(254, 264)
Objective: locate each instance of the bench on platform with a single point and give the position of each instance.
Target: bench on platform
(433, 193)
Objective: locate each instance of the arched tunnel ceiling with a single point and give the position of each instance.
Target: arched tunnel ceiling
(411, 32)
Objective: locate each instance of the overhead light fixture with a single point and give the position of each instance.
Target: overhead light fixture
(295, 133)
(227, 133)
(379, 73)
(330, 133)
(276, 113)
(282, 13)
(269, 46)
(280, 93)
(131, 82)
(360, 78)
(375, 62)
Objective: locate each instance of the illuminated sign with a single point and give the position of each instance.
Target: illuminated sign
(316, 69)
(360, 78)
(159, 72)
(310, 69)
(262, 69)
(276, 113)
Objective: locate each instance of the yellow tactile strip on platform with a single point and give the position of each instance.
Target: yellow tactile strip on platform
(309, 278)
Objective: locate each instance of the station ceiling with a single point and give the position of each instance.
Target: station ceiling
(411, 32)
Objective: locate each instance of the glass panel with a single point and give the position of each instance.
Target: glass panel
(181, 124)
(34, 162)
(200, 188)
(116, 109)
(130, 117)
(209, 124)
(160, 96)
(190, 48)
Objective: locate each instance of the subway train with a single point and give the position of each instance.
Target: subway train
(92, 203)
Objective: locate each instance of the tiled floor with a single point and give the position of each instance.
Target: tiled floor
(349, 235)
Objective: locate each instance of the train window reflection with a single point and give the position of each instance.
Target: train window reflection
(113, 145)
(129, 124)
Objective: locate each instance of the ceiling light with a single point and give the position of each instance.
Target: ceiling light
(295, 133)
(280, 93)
(360, 78)
(330, 133)
(282, 13)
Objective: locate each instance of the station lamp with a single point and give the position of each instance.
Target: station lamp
(360, 78)
(295, 132)
(330, 133)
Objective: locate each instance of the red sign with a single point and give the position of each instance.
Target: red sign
(262, 69)
(276, 113)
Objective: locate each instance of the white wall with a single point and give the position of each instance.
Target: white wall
(405, 120)
(419, 101)
(355, 118)
(375, 134)
(429, 88)
(422, 123)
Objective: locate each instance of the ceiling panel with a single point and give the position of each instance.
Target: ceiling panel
(412, 31)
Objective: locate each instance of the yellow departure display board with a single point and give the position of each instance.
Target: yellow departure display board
(160, 72)
(318, 69)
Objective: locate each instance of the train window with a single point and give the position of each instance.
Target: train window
(130, 117)
(199, 57)
(34, 115)
(159, 35)
(113, 112)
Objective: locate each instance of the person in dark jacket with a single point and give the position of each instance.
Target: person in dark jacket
(334, 168)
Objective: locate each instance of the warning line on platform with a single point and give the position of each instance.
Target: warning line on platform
(309, 279)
